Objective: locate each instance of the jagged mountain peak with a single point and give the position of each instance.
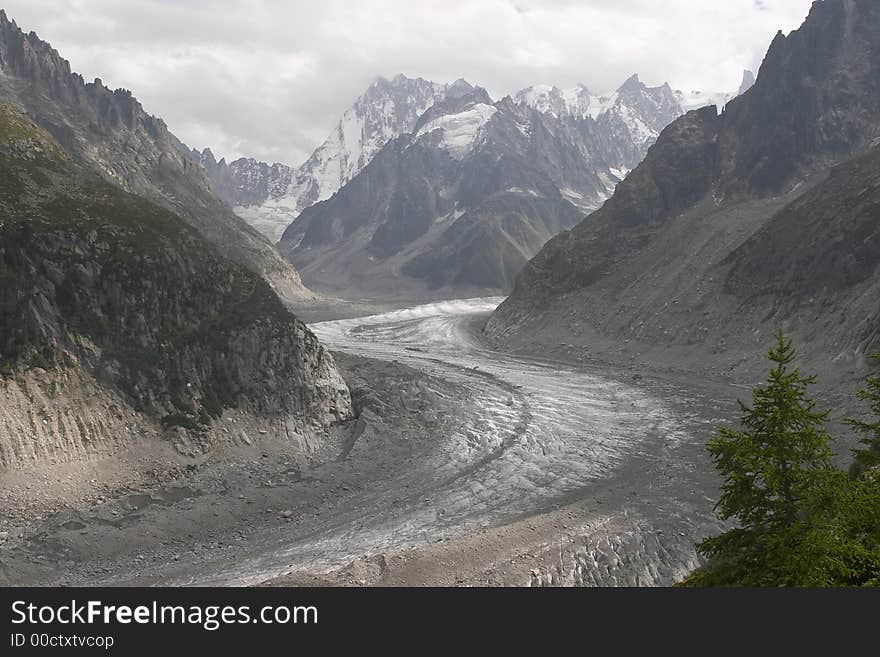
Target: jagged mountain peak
(632, 83)
(549, 99)
(748, 81)
(579, 102)
(828, 70)
(387, 109)
(206, 157)
(244, 181)
(633, 87)
(635, 114)
(633, 117)
(397, 81)
(460, 87)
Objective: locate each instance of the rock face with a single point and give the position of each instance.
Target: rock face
(111, 132)
(459, 205)
(120, 295)
(732, 225)
(244, 181)
(387, 109)
(63, 416)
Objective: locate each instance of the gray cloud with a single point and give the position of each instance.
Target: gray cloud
(269, 78)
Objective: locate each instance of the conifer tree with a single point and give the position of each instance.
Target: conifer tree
(869, 457)
(771, 467)
(800, 520)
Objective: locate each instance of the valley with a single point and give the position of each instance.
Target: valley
(508, 469)
(470, 339)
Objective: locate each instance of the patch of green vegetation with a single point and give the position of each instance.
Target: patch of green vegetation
(13, 125)
(182, 420)
(211, 404)
(7, 368)
(867, 458)
(38, 359)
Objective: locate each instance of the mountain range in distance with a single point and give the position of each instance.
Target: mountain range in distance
(271, 196)
(386, 204)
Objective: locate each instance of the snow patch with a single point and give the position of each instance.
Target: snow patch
(270, 220)
(639, 131)
(520, 190)
(573, 101)
(599, 105)
(697, 99)
(459, 131)
(449, 217)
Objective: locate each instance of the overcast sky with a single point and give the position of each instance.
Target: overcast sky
(270, 78)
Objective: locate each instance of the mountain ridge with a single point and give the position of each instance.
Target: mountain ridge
(111, 132)
(653, 265)
(107, 294)
(385, 110)
(253, 188)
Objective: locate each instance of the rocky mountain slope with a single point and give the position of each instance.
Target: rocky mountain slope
(110, 131)
(117, 318)
(735, 224)
(818, 258)
(462, 202)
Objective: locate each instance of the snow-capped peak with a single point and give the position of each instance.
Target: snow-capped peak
(387, 109)
(574, 101)
(634, 112)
